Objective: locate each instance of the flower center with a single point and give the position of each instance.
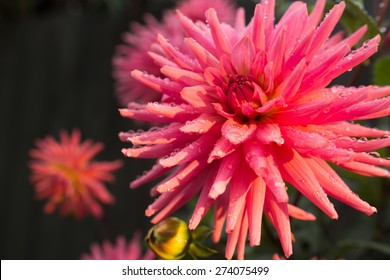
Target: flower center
(242, 94)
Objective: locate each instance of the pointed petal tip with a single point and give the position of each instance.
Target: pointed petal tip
(288, 253)
(149, 212)
(373, 210)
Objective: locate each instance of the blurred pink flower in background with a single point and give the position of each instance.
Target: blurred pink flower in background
(248, 110)
(65, 174)
(134, 54)
(119, 251)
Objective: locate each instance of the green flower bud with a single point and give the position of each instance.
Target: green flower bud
(170, 239)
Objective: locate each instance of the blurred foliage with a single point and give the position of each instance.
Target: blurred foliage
(355, 16)
(382, 71)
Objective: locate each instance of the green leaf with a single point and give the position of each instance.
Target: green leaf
(200, 251)
(201, 233)
(381, 71)
(355, 16)
(380, 247)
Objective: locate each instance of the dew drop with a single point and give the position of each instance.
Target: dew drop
(374, 154)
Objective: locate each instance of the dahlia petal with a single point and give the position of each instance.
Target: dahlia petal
(289, 87)
(353, 59)
(269, 77)
(323, 64)
(197, 149)
(301, 113)
(139, 112)
(239, 186)
(258, 33)
(182, 177)
(270, 105)
(333, 154)
(325, 29)
(275, 53)
(182, 76)
(297, 10)
(150, 151)
(364, 110)
(242, 237)
(259, 61)
(343, 99)
(156, 171)
(180, 113)
(225, 65)
(335, 187)
(278, 214)
(268, 132)
(168, 202)
(98, 190)
(239, 23)
(297, 170)
(181, 60)
(298, 213)
(224, 175)
(201, 124)
(301, 49)
(194, 31)
(233, 236)
(274, 181)
(365, 169)
(204, 57)
(220, 212)
(316, 14)
(375, 92)
(333, 41)
(217, 33)
(294, 137)
(222, 148)
(242, 55)
(236, 132)
(198, 97)
(352, 39)
(255, 156)
(361, 145)
(372, 158)
(161, 60)
(204, 201)
(350, 129)
(254, 206)
(158, 84)
(164, 135)
(269, 16)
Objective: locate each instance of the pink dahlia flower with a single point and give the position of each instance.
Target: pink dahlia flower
(249, 110)
(134, 53)
(64, 173)
(119, 251)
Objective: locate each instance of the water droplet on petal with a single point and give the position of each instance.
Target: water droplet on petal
(374, 154)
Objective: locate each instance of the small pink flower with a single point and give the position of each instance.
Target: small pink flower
(64, 173)
(248, 110)
(134, 53)
(119, 251)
